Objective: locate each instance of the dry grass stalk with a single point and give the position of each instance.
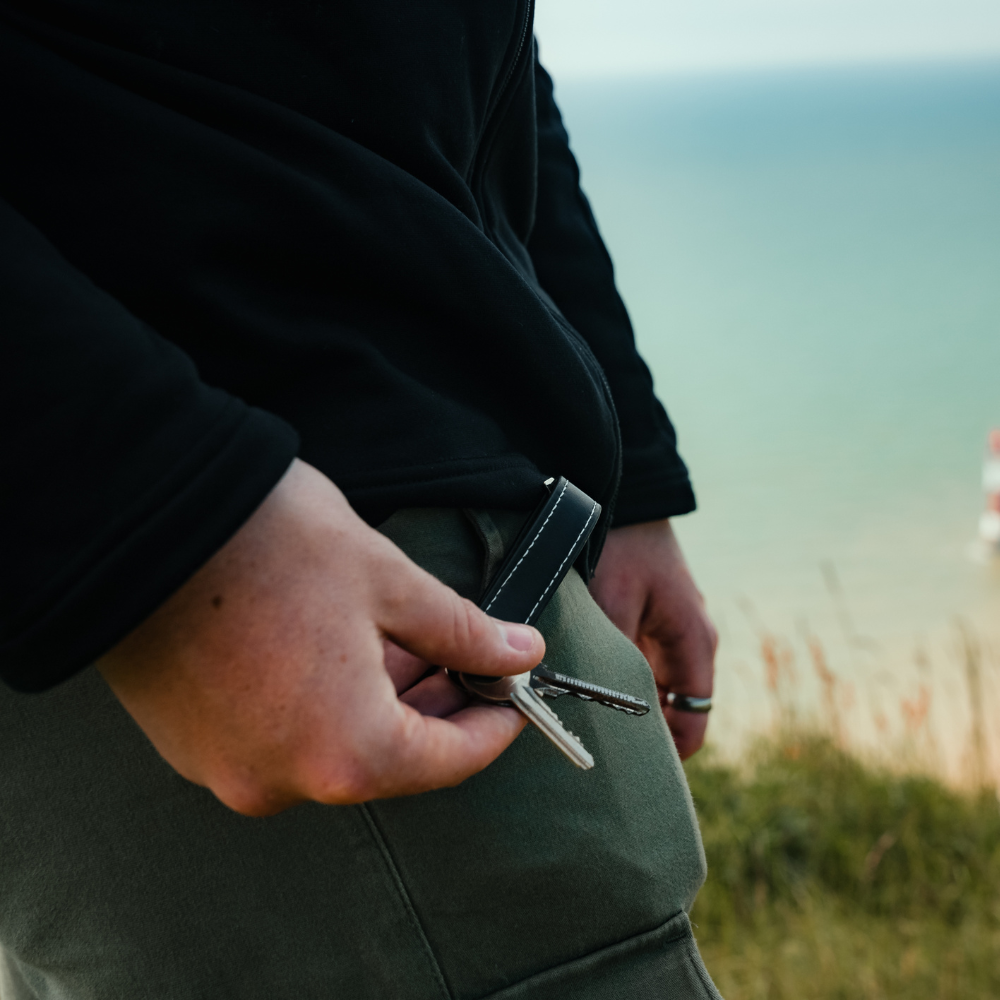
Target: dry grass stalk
(973, 675)
(828, 683)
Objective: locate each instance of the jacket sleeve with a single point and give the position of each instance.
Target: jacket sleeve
(574, 268)
(122, 472)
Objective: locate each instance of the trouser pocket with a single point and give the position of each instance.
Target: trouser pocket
(661, 964)
(533, 864)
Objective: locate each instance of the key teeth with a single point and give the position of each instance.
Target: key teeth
(551, 684)
(571, 746)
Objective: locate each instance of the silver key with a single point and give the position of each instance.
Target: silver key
(550, 684)
(517, 691)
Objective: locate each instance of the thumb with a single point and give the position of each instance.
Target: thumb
(431, 621)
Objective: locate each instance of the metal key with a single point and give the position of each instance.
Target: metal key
(517, 691)
(550, 684)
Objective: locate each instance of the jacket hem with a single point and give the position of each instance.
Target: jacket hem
(653, 501)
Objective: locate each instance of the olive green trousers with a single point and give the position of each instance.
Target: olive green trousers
(119, 880)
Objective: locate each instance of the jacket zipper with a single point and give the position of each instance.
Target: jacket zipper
(588, 558)
(526, 20)
(489, 122)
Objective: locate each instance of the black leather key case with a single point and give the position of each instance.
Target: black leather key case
(543, 554)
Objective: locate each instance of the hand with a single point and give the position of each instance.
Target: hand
(291, 666)
(643, 585)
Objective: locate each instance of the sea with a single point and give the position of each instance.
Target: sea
(811, 260)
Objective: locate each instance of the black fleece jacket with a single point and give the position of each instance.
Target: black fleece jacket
(233, 231)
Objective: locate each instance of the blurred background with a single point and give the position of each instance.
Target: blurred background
(802, 200)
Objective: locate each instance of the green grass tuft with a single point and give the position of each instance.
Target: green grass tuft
(829, 879)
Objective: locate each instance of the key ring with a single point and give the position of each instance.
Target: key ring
(688, 703)
(493, 689)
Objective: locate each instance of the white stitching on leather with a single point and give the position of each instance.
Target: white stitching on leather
(528, 549)
(563, 563)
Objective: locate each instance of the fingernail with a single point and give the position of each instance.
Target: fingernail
(518, 637)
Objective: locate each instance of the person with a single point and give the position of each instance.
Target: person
(301, 303)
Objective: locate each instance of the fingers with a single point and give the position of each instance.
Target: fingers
(438, 753)
(402, 747)
(681, 654)
(421, 752)
(687, 728)
(685, 664)
(404, 668)
(620, 594)
(429, 736)
(430, 621)
(436, 695)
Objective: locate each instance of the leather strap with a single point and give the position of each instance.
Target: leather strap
(543, 554)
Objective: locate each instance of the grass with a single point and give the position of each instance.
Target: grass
(830, 879)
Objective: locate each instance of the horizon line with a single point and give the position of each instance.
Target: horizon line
(889, 61)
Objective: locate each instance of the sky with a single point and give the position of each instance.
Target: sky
(587, 38)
